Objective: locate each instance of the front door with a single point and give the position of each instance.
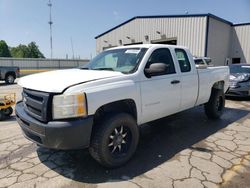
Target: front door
(160, 94)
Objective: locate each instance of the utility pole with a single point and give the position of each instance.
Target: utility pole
(72, 47)
(50, 25)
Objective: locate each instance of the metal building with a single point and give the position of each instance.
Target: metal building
(241, 43)
(204, 34)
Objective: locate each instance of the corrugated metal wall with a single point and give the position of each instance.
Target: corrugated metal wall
(189, 32)
(241, 43)
(219, 41)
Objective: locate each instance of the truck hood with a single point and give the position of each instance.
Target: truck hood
(57, 81)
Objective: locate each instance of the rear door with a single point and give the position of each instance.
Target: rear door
(189, 79)
(160, 94)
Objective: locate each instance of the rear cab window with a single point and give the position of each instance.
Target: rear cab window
(208, 61)
(183, 60)
(199, 62)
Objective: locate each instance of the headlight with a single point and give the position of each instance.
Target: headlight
(69, 106)
(239, 78)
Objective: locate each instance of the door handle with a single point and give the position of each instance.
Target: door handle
(175, 82)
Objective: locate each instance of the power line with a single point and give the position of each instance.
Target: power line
(50, 25)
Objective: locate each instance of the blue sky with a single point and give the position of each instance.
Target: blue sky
(23, 21)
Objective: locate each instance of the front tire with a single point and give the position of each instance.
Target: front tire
(115, 140)
(214, 108)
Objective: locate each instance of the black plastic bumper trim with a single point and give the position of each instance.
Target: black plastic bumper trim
(65, 135)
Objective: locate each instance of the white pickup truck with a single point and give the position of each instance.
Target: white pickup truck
(102, 105)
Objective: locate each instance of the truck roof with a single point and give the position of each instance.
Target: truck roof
(148, 46)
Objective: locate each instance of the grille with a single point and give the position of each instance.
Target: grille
(37, 104)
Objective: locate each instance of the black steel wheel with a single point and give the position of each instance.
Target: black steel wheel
(115, 140)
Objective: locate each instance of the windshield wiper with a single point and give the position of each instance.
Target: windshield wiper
(104, 68)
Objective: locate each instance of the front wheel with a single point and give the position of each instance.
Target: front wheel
(115, 140)
(215, 106)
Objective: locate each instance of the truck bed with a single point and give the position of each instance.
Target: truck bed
(207, 77)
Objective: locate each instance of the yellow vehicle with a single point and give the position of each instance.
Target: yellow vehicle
(6, 103)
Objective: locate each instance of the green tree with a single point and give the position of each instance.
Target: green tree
(4, 49)
(30, 51)
(21, 51)
(34, 51)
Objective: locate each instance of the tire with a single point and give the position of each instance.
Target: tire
(115, 140)
(2, 116)
(214, 108)
(7, 111)
(10, 79)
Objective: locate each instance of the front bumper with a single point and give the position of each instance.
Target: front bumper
(65, 134)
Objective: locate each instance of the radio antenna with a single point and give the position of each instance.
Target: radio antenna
(50, 26)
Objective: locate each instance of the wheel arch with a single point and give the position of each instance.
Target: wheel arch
(125, 105)
(219, 85)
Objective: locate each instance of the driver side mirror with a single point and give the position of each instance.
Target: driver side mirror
(156, 69)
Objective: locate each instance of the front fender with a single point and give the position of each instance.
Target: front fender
(112, 92)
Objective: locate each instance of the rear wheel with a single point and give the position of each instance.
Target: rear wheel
(8, 111)
(10, 79)
(215, 106)
(2, 116)
(115, 140)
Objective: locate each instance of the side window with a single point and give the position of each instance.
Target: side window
(208, 61)
(198, 62)
(162, 55)
(183, 60)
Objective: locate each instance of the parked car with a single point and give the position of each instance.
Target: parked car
(102, 104)
(203, 61)
(239, 82)
(9, 74)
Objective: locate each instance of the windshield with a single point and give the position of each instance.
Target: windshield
(239, 69)
(124, 60)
